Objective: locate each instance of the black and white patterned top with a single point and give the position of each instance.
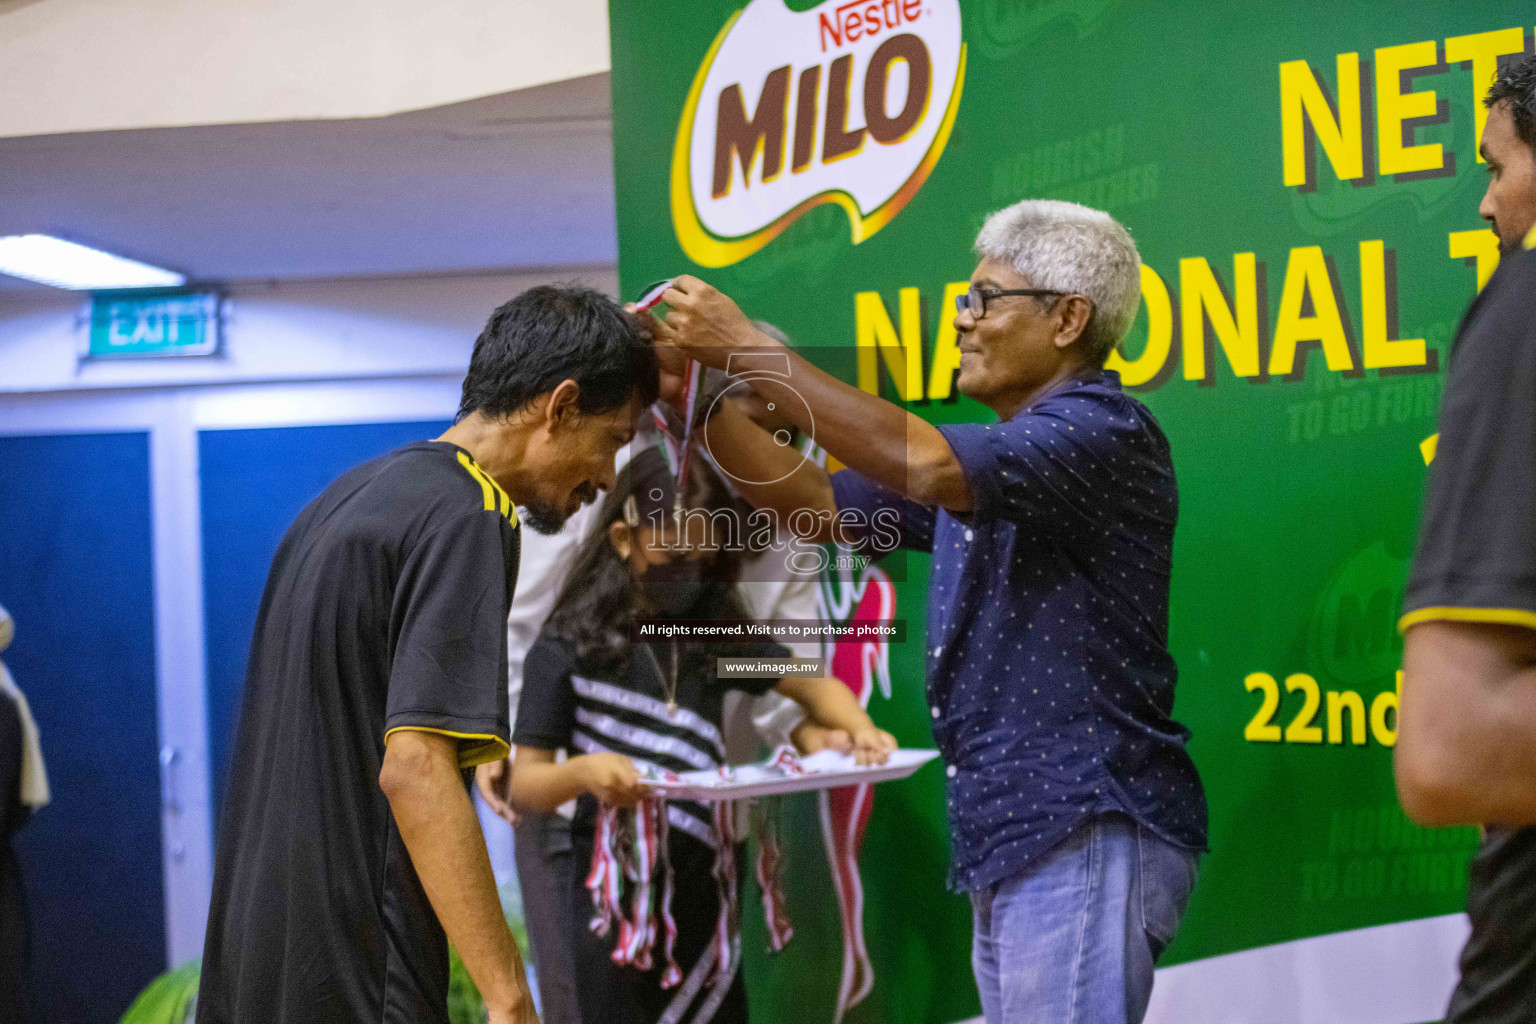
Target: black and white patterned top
(583, 712)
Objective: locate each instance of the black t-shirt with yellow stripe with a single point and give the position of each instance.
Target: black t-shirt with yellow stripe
(1476, 562)
(385, 609)
(1476, 557)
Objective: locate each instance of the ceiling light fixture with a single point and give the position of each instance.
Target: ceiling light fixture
(62, 264)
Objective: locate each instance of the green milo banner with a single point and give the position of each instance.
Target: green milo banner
(1302, 180)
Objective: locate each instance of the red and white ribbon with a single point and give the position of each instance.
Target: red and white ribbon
(652, 298)
(632, 846)
(638, 935)
(726, 923)
(786, 760)
(603, 878)
(769, 860)
(693, 377)
(679, 452)
(669, 448)
(671, 974)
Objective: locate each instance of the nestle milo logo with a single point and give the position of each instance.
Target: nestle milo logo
(847, 103)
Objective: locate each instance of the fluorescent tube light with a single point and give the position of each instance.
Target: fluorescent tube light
(53, 261)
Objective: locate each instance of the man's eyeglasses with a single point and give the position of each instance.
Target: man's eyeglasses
(975, 301)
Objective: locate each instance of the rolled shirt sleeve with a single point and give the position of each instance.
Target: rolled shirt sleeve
(1046, 468)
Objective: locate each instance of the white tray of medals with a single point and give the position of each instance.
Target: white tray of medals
(784, 772)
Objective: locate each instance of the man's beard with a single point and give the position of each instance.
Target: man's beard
(547, 519)
(544, 518)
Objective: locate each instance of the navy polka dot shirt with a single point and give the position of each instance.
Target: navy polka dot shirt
(1049, 677)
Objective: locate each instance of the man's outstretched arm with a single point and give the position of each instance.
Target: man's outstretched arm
(1466, 744)
(426, 793)
(748, 454)
(882, 441)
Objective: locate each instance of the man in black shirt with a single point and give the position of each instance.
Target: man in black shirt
(1466, 748)
(349, 854)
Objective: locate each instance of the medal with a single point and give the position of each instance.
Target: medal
(668, 686)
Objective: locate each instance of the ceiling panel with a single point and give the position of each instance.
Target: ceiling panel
(523, 179)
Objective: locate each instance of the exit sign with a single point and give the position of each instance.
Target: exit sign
(147, 325)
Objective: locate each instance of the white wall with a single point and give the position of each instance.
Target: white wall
(283, 331)
(95, 65)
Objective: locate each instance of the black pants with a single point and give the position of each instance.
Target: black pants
(545, 874)
(13, 940)
(624, 995)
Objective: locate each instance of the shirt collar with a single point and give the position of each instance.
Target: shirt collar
(1087, 377)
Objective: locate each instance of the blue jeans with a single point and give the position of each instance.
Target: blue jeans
(1073, 938)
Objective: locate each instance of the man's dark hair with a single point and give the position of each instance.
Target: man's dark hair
(550, 334)
(1516, 85)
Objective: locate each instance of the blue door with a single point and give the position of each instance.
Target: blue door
(76, 573)
(254, 483)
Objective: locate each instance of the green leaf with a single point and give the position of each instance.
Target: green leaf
(169, 999)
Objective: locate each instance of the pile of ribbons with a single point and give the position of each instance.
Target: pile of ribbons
(629, 850)
(633, 846)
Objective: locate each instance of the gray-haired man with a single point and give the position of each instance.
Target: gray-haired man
(1076, 815)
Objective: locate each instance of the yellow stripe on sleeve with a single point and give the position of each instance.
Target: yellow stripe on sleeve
(1530, 238)
(1489, 616)
(474, 748)
(503, 501)
(496, 499)
(485, 485)
(506, 502)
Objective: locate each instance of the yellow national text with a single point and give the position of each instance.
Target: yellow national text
(1211, 319)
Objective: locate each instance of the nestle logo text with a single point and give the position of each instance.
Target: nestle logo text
(862, 18)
